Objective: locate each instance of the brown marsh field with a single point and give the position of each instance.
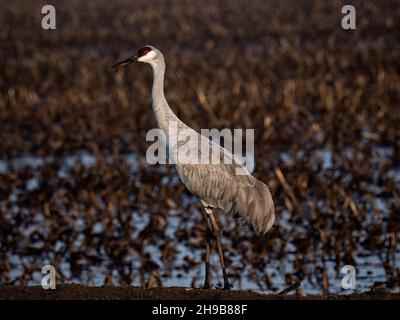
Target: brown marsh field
(76, 191)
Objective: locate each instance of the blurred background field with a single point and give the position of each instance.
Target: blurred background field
(76, 191)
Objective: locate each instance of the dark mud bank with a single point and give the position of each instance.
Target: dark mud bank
(81, 292)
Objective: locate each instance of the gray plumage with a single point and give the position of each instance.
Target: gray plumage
(216, 183)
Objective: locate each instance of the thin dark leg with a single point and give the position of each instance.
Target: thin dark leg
(227, 285)
(217, 234)
(208, 236)
(207, 280)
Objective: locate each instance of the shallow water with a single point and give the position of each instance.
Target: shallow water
(369, 266)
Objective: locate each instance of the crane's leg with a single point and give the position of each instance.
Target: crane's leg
(208, 235)
(217, 234)
(207, 280)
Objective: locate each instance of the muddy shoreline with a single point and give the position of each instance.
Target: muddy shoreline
(81, 292)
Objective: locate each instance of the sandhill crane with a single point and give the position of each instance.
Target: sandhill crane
(218, 186)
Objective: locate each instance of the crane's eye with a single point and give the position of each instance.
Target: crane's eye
(143, 51)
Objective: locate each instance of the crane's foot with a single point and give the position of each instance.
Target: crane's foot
(227, 286)
(206, 286)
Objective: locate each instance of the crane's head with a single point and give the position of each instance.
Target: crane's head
(147, 54)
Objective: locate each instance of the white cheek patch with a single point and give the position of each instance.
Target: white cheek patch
(148, 56)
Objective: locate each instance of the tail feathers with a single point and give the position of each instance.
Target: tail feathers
(255, 205)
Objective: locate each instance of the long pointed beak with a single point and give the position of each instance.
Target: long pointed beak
(126, 61)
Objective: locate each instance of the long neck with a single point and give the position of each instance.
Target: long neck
(164, 115)
(157, 93)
